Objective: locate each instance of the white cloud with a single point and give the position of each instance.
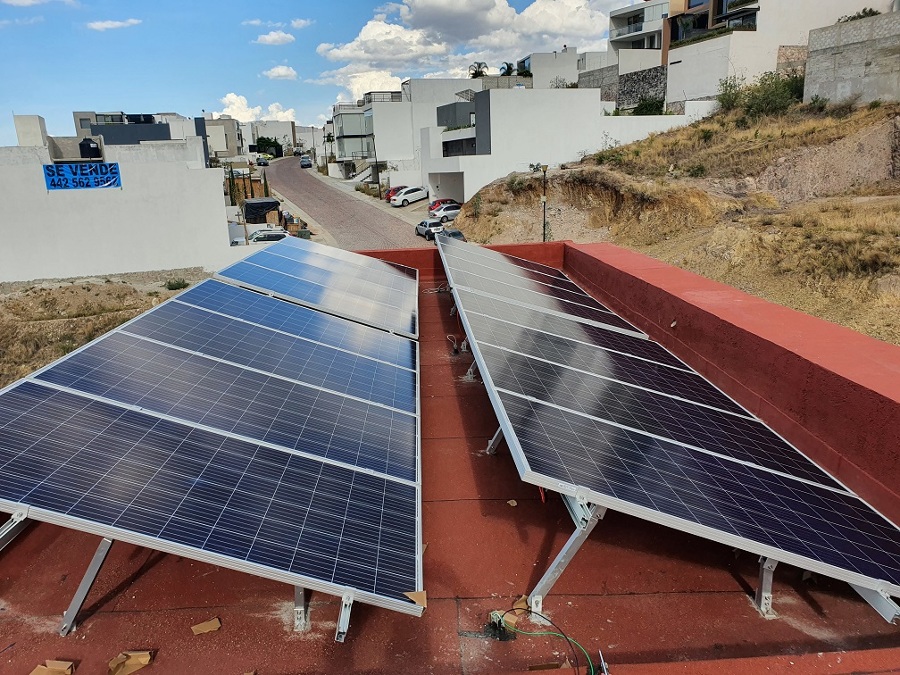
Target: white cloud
(21, 22)
(260, 22)
(301, 23)
(281, 73)
(236, 106)
(276, 37)
(441, 38)
(357, 81)
(252, 22)
(383, 44)
(31, 3)
(111, 25)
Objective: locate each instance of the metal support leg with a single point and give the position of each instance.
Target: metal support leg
(453, 310)
(470, 373)
(343, 624)
(763, 598)
(301, 609)
(464, 345)
(586, 517)
(68, 622)
(881, 603)
(12, 527)
(494, 442)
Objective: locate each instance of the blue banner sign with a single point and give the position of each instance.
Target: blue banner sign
(82, 176)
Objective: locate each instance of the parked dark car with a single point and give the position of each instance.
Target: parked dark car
(305, 162)
(262, 161)
(452, 233)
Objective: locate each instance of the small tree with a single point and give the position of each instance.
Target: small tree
(478, 69)
(507, 69)
(559, 82)
(264, 144)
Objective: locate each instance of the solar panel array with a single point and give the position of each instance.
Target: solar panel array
(591, 408)
(239, 429)
(344, 284)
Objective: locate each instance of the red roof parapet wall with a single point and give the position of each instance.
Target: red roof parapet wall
(831, 391)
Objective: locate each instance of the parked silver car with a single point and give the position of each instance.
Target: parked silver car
(429, 227)
(446, 212)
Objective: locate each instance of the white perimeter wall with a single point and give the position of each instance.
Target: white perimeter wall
(545, 67)
(550, 126)
(749, 54)
(166, 216)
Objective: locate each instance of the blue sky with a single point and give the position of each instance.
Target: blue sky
(272, 59)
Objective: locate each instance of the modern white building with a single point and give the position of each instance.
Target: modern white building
(167, 213)
(386, 125)
(636, 35)
(555, 69)
(749, 39)
(517, 128)
(283, 133)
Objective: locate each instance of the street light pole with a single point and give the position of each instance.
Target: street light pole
(544, 168)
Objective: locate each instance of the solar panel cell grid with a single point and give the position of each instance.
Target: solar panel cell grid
(681, 421)
(649, 375)
(254, 347)
(208, 492)
(357, 304)
(730, 497)
(253, 405)
(269, 312)
(565, 327)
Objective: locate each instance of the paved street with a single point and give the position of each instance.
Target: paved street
(354, 221)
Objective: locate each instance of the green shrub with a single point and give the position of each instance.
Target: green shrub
(771, 94)
(864, 13)
(696, 171)
(650, 106)
(874, 105)
(176, 284)
(731, 93)
(818, 104)
(706, 135)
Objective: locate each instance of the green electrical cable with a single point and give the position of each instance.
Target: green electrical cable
(559, 635)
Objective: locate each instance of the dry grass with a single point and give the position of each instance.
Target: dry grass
(633, 211)
(733, 146)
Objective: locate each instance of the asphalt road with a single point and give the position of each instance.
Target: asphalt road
(355, 221)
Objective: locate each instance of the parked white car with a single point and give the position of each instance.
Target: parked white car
(407, 196)
(429, 227)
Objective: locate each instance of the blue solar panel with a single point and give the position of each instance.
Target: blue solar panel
(728, 434)
(602, 362)
(380, 296)
(254, 405)
(356, 304)
(828, 526)
(349, 265)
(571, 327)
(135, 474)
(303, 322)
(248, 345)
(620, 422)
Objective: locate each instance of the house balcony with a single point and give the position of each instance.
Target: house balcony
(635, 31)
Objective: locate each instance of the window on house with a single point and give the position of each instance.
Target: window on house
(84, 123)
(696, 3)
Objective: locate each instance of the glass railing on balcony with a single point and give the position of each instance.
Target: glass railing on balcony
(382, 97)
(627, 30)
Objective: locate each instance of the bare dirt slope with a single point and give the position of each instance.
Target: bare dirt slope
(803, 210)
(43, 320)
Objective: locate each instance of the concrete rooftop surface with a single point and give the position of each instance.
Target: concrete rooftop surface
(653, 599)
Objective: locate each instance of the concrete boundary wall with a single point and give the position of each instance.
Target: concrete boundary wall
(165, 216)
(855, 59)
(831, 391)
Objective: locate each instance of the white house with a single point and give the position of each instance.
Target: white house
(754, 33)
(517, 128)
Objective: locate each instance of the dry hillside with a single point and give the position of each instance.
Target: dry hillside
(801, 209)
(41, 322)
